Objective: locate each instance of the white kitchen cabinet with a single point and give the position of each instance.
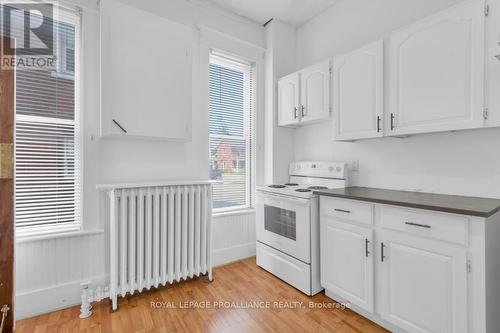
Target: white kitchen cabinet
(288, 99)
(358, 80)
(436, 72)
(423, 284)
(315, 92)
(347, 261)
(304, 96)
(146, 74)
(439, 270)
(492, 64)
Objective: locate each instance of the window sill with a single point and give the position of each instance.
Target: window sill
(40, 234)
(242, 211)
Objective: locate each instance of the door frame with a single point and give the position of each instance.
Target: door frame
(7, 114)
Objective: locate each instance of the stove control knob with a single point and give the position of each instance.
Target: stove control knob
(339, 169)
(330, 169)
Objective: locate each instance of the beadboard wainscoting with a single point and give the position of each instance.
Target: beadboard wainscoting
(49, 271)
(233, 237)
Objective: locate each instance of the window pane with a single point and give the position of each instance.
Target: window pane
(229, 133)
(47, 149)
(226, 98)
(44, 93)
(228, 158)
(45, 173)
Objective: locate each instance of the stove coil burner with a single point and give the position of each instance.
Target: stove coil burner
(303, 190)
(277, 186)
(292, 184)
(317, 187)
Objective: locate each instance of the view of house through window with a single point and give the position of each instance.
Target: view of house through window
(231, 101)
(47, 131)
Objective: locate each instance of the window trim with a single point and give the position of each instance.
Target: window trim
(228, 60)
(49, 230)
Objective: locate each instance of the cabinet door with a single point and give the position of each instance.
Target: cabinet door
(146, 74)
(358, 93)
(347, 261)
(315, 92)
(288, 100)
(423, 284)
(437, 72)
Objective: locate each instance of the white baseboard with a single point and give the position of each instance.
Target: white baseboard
(36, 302)
(233, 253)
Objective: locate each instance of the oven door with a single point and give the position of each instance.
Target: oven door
(284, 223)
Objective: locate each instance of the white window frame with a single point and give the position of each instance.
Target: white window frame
(60, 70)
(234, 62)
(35, 231)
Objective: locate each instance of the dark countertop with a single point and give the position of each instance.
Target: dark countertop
(456, 204)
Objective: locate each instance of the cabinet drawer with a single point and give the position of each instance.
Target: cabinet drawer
(447, 227)
(355, 211)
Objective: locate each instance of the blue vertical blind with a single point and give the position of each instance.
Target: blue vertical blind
(47, 150)
(231, 100)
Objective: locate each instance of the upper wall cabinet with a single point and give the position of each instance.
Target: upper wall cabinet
(304, 96)
(146, 74)
(288, 99)
(358, 93)
(315, 92)
(436, 71)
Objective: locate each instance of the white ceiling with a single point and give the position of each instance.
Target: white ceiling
(294, 12)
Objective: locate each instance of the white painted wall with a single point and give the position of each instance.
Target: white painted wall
(465, 162)
(48, 270)
(280, 60)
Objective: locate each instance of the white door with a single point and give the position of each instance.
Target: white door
(284, 223)
(288, 100)
(315, 92)
(358, 93)
(437, 71)
(347, 261)
(423, 284)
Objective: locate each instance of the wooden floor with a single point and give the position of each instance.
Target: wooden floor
(237, 284)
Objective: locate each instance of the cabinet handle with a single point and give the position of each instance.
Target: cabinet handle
(418, 225)
(366, 247)
(392, 121)
(378, 124)
(342, 210)
(123, 129)
(302, 110)
(382, 256)
(295, 109)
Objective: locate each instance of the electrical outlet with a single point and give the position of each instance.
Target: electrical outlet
(355, 165)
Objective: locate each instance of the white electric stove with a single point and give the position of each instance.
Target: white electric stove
(288, 223)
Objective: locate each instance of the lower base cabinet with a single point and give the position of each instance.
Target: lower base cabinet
(423, 284)
(412, 270)
(349, 247)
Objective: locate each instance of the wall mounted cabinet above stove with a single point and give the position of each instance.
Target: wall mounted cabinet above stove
(304, 96)
(146, 74)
